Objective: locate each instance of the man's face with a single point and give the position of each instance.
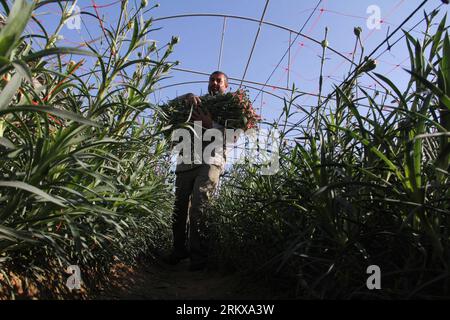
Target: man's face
(217, 84)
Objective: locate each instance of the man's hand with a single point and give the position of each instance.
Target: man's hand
(192, 99)
(205, 118)
(197, 113)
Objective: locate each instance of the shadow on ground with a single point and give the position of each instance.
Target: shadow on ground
(157, 280)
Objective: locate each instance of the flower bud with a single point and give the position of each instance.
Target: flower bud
(130, 24)
(152, 47)
(370, 65)
(71, 64)
(52, 40)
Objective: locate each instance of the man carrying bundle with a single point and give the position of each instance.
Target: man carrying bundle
(195, 183)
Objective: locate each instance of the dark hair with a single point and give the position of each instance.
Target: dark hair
(219, 72)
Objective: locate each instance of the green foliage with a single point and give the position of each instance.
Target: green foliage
(357, 188)
(84, 172)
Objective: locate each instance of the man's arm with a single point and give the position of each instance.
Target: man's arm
(197, 114)
(205, 118)
(189, 99)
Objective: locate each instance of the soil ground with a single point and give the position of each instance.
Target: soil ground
(157, 280)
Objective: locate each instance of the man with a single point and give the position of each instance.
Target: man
(195, 184)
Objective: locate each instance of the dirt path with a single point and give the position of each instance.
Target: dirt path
(157, 280)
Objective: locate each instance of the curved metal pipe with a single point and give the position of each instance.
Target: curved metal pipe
(204, 81)
(190, 15)
(267, 92)
(247, 81)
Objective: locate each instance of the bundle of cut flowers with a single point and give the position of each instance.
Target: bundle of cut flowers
(231, 110)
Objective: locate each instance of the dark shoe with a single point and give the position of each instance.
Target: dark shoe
(175, 258)
(197, 266)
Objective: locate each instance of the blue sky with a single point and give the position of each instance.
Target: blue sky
(201, 37)
(200, 40)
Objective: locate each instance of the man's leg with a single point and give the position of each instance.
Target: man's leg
(183, 190)
(204, 187)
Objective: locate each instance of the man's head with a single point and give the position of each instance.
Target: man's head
(218, 83)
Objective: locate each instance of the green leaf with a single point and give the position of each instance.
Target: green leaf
(57, 51)
(5, 6)
(135, 36)
(10, 90)
(75, 233)
(442, 96)
(8, 144)
(23, 69)
(396, 90)
(46, 109)
(15, 24)
(445, 63)
(377, 152)
(437, 38)
(31, 189)
(354, 110)
(14, 235)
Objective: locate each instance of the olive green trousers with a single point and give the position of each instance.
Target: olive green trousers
(193, 191)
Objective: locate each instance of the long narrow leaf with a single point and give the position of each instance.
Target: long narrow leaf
(31, 189)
